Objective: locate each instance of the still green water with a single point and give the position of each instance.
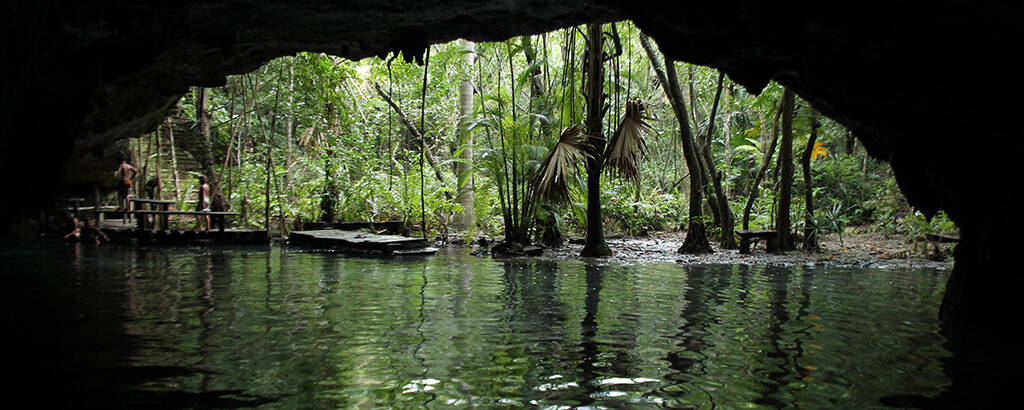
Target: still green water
(280, 327)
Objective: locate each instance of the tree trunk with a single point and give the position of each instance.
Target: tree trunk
(548, 233)
(726, 219)
(205, 154)
(174, 162)
(810, 225)
(762, 170)
(205, 147)
(727, 137)
(158, 190)
(783, 223)
(289, 125)
(332, 185)
(464, 167)
(428, 154)
(596, 245)
(710, 200)
(696, 235)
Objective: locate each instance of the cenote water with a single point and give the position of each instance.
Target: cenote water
(279, 327)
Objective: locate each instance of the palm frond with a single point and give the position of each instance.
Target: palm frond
(561, 164)
(627, 146)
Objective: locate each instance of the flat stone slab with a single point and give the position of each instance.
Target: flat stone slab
(339, 239)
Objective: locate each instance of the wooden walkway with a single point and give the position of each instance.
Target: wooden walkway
(121, 231)
(362, 242)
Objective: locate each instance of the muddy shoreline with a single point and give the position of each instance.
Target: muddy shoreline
(853, 250)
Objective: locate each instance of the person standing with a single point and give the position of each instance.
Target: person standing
(203, 205)
(125, 174)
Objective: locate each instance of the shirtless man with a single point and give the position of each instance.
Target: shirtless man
(203, 205)
(125, 173)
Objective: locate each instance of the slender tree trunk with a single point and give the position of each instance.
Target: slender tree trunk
(727, 136)
(332, 189)
(762, 170)
(810, 225)
(725, 218)
(158, 190)
(537, 86)
(145, 167)
(548, 234)
(464, 167)
(266, 209)
(428, 154)
(710, 200)
(783, 223)
(696, 234)
(174, 162)
(851, 143)
(596, 245)
(205, 145)
(289, 125)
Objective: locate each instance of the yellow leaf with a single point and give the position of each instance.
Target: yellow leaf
(818, 150)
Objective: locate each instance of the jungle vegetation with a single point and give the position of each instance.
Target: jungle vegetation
(580, 132)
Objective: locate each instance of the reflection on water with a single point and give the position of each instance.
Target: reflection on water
(284, 328)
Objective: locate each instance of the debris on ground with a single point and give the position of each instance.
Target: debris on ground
(862, 250)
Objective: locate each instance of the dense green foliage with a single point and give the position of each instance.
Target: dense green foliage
(313, 137)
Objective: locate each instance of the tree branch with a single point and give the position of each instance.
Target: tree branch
(416, 133)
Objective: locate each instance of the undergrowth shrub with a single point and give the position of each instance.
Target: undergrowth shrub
(652, 213)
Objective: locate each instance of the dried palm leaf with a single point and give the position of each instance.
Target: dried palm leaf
(561, 164)
(623, 153)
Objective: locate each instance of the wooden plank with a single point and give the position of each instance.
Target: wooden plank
(211, 213)
(746, 234)
(145, 224)
(152, 201)
(757, 233)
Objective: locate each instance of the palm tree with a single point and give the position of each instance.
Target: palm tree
(621, 156)
(627, 146)
(464, 168)
(561, 165)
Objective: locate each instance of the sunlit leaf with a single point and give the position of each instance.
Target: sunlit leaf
(818, 150)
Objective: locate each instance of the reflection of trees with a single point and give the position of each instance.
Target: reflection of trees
(464, 346)
(784, 336)
(208, 303)
(171, 302)
(688, 360)
(781, 337)
(590, 348)
(535, 313)
(417, 347)
(349, 332)
(742, 331)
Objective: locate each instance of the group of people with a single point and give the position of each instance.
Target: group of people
(126, 173)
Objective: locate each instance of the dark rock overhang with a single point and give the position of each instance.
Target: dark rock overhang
(910, 79)
(931, 87)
